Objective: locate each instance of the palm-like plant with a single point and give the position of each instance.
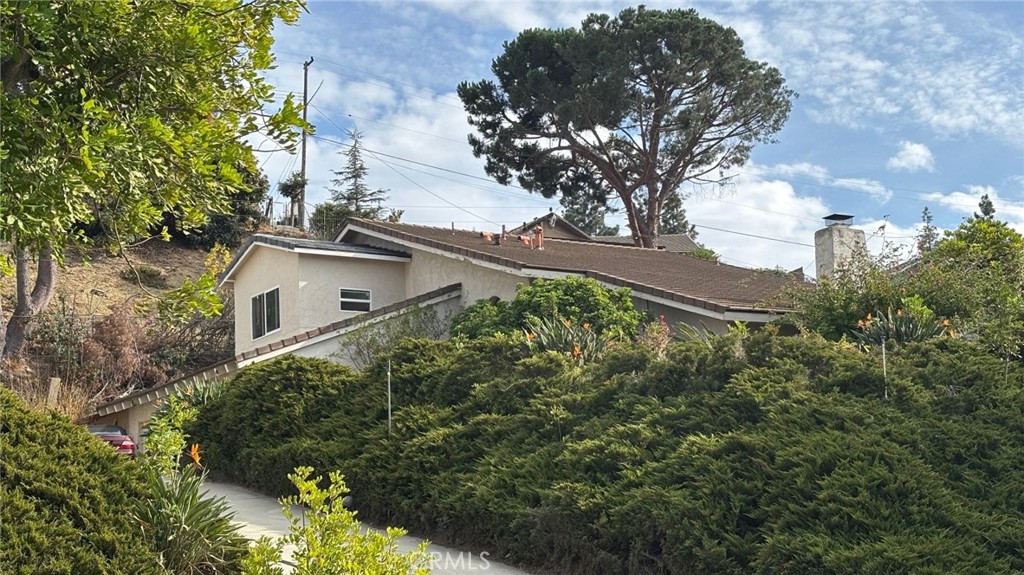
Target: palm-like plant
(577, 340)
(194, 535)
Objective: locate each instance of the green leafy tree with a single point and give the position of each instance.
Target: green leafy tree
(326, 221)
(640, 103)
(980, 271)
(120, 112)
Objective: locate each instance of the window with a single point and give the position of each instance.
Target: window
(354, 299)
(266, 313)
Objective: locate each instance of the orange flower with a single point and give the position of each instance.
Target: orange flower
(586, 326)
(945, 323)
(566, 323)
(194, 453)
(531, 336)
(576, 350)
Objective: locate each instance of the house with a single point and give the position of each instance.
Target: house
(293, 286)
(299, 296)
(556, 227)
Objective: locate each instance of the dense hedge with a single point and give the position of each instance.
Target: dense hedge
(744, 454)
(66, 499)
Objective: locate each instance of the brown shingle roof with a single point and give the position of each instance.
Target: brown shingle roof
(680, 243)
(676, 276)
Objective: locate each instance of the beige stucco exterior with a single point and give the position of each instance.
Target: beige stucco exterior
(428, 271)
(320, 278)
(309, 284)
(266, 268)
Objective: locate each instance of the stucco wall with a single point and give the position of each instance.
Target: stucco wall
(674, 316)
(264, 269)
(320, 277)
(429, 271)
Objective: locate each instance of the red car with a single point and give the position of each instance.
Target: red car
(117, 436)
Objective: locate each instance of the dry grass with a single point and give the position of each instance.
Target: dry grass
(100, 282)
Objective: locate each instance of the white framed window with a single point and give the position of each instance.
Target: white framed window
(354, 299)
(266, 313)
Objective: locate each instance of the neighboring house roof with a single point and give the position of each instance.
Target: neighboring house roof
(316, 247)
(679, 243)
(678, 277)
(552, 220)
(287, 345)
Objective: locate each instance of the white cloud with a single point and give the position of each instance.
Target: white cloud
(912, 157)
(965, 202)
(805, 172)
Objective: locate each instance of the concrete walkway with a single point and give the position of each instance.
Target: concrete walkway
(261, 515)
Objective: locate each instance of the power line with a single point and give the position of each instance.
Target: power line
(422, 187)
(374, 75)
(753, 236)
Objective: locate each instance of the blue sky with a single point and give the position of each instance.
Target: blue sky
(902, 105)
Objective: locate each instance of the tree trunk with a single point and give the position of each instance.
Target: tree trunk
(29, 303)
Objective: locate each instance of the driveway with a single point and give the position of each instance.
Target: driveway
(261, 515)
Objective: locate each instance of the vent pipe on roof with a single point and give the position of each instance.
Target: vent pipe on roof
(539, 233)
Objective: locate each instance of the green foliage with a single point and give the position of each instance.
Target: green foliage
(327, 220)
(588, 213)
(328, 539)
(564, 113)
(351, 191)
(973, 277)
(578, 300)
(66, 499)
(247, 212)
(148, 107)
(899, 326)
(194, 535)
(247, 428)
(738, 453)
(482, 318)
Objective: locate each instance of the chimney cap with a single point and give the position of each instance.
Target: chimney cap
(839, 219)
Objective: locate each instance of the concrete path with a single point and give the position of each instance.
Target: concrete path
(261, 515)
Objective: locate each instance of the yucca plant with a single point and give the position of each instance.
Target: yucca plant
(194, 535)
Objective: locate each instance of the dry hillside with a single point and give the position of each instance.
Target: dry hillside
(101, 282)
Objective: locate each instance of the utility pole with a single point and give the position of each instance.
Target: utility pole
(305, 104)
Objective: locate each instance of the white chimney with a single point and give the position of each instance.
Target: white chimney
(837, 244)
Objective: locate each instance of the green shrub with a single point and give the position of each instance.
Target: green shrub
(738, 453)
(264, 407)
(328, 539)
(66, 499)
(578, 300)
